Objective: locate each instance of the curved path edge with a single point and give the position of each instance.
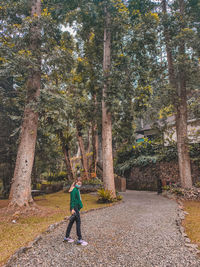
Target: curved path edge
(50, 229)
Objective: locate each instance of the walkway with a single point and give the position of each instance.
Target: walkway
(141, 232)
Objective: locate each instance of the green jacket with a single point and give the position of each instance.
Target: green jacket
(75, 199)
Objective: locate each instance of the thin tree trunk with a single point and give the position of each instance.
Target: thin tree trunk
(65, 149)
(180, 103)
(89, 140)
(94, 139)
(94, 147)
(20, 194)
(108, 172)
(68, 162)
(83, 154)
(78, 154)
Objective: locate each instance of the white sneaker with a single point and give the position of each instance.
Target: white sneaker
(82, 242)
(68, 239)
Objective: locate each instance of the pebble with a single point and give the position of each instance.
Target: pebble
(142, 231)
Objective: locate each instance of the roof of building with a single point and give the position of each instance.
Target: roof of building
(170, 121)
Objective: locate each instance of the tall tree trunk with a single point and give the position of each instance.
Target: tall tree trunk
(181, 116)
(108, 172)
(20, 194)
(78, 153)
(94, 147)
(94, 138)
(83, 154)
(89, 140)
(68, 162)
(65, 149)
(180, 106)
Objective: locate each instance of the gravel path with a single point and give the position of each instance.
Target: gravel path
(141, 232)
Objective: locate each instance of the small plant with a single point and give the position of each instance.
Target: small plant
(197, 184)
(178, 191)
(118, 197)
(166, 187)
(105, 196)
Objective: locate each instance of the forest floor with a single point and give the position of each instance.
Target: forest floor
(18, 229)
(142, 231)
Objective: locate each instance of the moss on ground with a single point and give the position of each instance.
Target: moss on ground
(52, 208)
(192, 221)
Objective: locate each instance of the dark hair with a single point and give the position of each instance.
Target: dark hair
(78, 179)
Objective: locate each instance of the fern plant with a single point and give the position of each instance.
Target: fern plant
(105, 196)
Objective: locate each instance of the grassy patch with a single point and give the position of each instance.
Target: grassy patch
(52, 208)
(192, 221)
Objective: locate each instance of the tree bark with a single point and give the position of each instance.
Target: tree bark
(94, 147)
(65, 149)
(89, 140)
(108, 172)
(180, 104)
(68, 162)
(83, 154)
(94, 138)
(20, 194)
(181, 117)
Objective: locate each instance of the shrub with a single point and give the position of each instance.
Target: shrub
(118, 196)
(140, 161)
(148, 153)
(105, 196)
(61, 176)
(174, 190)
(177, 191)
(197, 184)
(166, 187)
(92, 181)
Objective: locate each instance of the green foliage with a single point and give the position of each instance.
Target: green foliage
(174, 190)
(61, 176)
(140, 154)
(197, 184)
(167, 187)
(141, 161)
(177, 191)
(94, 181)
(194, 150)
(105, 196)
(118, 196)
(72, 76)
(148, 153)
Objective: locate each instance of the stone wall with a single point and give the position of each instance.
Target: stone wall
(145, 178)
(120, 184)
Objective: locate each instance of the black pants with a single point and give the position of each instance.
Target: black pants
(78, 224)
